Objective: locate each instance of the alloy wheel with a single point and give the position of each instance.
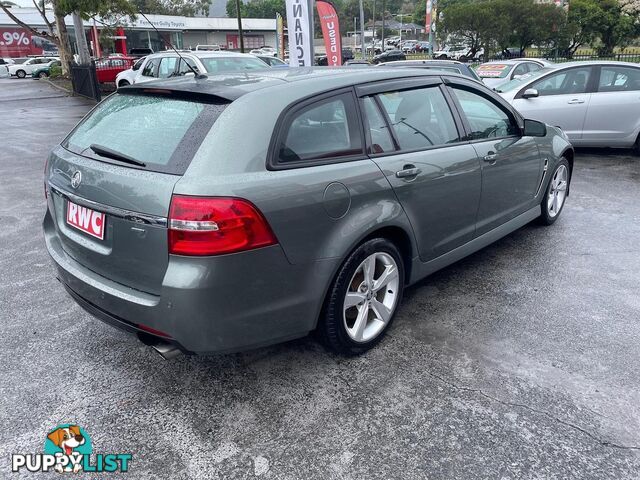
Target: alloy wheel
(557, 191)
(372, 297)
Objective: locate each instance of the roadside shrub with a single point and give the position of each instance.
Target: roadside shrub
(55, 71)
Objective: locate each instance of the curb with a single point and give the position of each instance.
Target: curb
(68, 92)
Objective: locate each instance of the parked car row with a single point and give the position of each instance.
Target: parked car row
(22, 67)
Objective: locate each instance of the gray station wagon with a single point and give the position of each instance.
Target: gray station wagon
(225, 213)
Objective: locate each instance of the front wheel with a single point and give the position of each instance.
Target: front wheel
(364, 297)
(556, 193)
(21, 74)
(43, 75)
(123, 83)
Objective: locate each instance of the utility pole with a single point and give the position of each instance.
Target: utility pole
(240, 26)
(81, 39)
(383, 13)
(362, 42)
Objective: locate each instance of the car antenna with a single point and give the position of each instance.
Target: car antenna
(199, 76)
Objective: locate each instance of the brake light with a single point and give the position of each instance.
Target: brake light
(216, 225)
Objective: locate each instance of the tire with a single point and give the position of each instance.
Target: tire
(21, 74)
(636, 147)
(123, 83)
(352, 330)
(43, 75)
(555, 195)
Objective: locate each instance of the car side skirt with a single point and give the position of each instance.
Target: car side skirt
(423, 269)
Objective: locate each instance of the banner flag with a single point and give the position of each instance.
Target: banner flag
(299, 31)
(427, 23)
(330, 32)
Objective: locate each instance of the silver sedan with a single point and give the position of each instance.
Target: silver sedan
(597, 104)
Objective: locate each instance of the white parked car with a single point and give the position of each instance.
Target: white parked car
(448, 52)
(501, 71)
(168, 64)
(208, 48)
(4, 66)
(597, 104)
(21, 70)
(128, 76)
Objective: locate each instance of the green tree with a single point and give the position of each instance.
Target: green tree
(172, 7)
(257, 8)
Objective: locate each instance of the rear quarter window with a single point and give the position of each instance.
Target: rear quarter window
(161, 132)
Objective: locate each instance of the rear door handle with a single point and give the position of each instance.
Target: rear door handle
(408, 171)
(490, 157)
(575, 101)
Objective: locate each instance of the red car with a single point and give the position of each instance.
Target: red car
(108, 68)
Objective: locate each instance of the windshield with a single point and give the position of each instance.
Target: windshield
(494, 70)
(231, 64)
(521, 80)
(147, 129)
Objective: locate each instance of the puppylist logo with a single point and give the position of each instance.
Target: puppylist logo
(68, 449)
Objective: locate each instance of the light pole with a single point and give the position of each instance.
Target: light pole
(400, 15)
(362, 26)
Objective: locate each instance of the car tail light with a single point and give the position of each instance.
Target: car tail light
(216, 225)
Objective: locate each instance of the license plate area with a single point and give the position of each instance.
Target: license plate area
(86, 220)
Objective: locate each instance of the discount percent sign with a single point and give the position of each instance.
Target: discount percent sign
(14, 38)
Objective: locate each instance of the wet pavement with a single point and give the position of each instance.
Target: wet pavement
(521, 361)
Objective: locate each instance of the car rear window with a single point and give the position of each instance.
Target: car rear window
(494, 70)
(160, 131)
(225, 64)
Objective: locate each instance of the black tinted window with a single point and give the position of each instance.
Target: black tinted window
(322, 130)
(486, 118)
(420, 118)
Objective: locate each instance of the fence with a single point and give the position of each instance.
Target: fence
(620, 57)
(85, 81)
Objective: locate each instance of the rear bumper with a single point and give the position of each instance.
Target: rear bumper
(207, 304)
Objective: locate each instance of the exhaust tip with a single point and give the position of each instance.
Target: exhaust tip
(166, 350)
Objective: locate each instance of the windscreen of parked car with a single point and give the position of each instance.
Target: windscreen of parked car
(225, 64)
(494, 70)
(157, 133)
(522, 80)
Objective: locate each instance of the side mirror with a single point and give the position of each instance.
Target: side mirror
(533, 128)
(530, 93)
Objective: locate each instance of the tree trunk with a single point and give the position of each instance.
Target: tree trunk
(64, 47)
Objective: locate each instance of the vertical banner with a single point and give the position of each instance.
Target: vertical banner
(427, 23)
(330, 32)
(299, 32)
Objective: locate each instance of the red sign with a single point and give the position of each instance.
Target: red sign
(427, 23)
(18, 42)
(86, 220)
(330, 32)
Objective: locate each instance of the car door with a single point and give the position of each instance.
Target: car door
(415, 138)
(510, 163)
(613, 116)
(562, 99)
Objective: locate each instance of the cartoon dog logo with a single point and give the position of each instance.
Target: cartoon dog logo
(67, 439)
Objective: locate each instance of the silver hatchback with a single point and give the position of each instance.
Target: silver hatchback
(224, 213)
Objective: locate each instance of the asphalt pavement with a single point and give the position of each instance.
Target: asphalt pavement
(521, 361)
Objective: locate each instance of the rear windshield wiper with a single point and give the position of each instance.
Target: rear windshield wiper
(107, 152)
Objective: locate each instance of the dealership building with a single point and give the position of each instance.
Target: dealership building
(181, 32)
